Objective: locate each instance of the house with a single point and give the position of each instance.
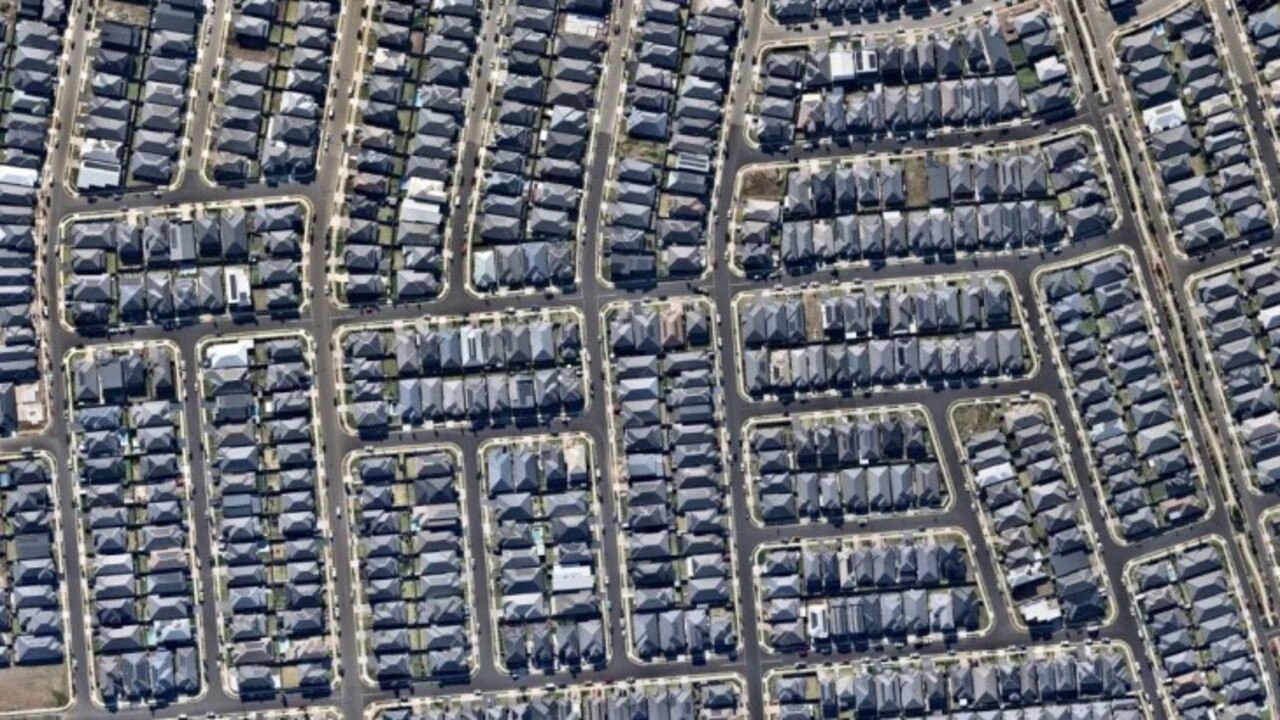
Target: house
(138, 672)
(439, 571)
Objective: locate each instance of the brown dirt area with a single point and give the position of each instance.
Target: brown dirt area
(126, 13)
(39, 687)
(765, 183)
(974, 419)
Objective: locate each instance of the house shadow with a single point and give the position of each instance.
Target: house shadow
(374, 434)
(1124, 12)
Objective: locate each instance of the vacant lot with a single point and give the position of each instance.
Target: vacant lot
(971, 419)
(764, 183)
(37, 687)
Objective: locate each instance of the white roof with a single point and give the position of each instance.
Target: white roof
(417, 211)
(1050, 69)
(994, 474)
(229, 354)
(13, 175)
(575, 24)
(575, 458)
(426, 189)
(568, 578)
(1041, 611)
(238, 286)
(761, 209)
(1163, 117)
(1268, 316)
(91, 176)
(484, 267)
(842, 65)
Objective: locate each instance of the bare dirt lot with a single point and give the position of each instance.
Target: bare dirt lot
(766, 183)
(33, 688)
(977, 418)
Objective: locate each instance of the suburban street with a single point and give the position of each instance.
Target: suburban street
(1142, 227)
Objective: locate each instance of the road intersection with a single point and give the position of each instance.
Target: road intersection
(1140, 228)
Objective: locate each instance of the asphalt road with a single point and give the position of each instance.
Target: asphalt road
(323, 317)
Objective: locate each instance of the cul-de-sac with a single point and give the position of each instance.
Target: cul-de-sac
(639, 359)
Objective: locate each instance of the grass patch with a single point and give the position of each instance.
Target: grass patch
(1027, 79)
(1018, 54)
